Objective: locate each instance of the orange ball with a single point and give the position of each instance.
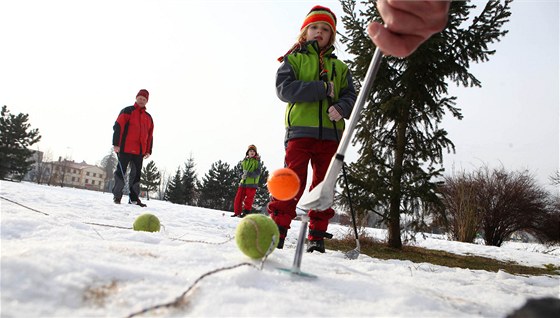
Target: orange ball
(283, 184)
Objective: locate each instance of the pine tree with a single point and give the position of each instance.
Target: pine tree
(150, 178)
(401, 141)
(15, 138)
(218, 187)
(189, 182)
(262, 197)
(174, 192)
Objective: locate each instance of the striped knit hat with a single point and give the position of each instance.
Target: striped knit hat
(144, 93)
(251, 147)
(320, 14)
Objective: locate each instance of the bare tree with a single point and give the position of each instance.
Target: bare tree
(43, 172)
(109, 164)
(162, 188)
(459, 194)
(509, 202)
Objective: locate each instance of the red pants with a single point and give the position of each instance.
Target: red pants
(244, 199)
(299, 153)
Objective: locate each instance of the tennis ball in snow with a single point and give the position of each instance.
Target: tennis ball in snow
(254, 235)
(146, 222)
(283, 184)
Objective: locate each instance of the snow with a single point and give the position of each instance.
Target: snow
(84, 260)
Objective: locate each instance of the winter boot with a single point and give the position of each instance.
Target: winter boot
(137, 202)
(235, 215)
(116, 200)
(316, 241)
(246, 212)
(283, 232)
(280, 243)
(318, 246)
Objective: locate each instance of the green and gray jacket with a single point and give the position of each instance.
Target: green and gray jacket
(298, 83)
(252, 171)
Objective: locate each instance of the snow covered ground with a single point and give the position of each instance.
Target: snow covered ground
(72, 253)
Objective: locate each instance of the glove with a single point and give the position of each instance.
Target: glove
(244, 176)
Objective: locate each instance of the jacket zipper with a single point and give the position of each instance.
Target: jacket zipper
(291, 106)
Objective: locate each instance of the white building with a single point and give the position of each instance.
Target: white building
(78, 175)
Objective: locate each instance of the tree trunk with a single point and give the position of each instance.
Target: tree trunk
(394, 226)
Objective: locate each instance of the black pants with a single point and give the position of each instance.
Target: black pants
(133, 177)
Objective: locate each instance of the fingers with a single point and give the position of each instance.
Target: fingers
(399, 45)
(400, 19)
(407, 24)
(334, 114)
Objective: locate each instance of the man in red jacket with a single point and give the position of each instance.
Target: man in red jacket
(132, 141)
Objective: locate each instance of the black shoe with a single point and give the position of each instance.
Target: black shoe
(138, 202)
(235, 215)
(280, 243)
(318, 246)
(283, 232)
(116, 200)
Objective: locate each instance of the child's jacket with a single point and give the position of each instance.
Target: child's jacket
(252, 169)
(299, 84)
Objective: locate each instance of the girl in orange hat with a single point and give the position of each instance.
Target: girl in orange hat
(319, 93)
(251, 164)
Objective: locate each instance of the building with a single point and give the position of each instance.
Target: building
(77, 175)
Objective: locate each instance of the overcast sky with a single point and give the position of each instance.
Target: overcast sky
(210, 68)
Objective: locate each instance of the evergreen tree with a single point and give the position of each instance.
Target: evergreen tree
(189, 182)
(401, 141)
(15, 138)
(262, 197)
(174, 192)
(218, 187)
(150, 178)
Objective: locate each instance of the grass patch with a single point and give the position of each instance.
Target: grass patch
(422, 255)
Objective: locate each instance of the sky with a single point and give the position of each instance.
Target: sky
(72, 253)
(210, 68)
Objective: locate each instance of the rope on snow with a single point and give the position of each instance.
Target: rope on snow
(120, 227)
(14, 202)
(182, 299)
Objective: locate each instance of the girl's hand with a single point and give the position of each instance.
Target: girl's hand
(334, 115)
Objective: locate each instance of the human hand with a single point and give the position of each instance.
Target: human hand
(407, 24)
(116, 149)
(334, 114)
(146, 156)
(244, 176)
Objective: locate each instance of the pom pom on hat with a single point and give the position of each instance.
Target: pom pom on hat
(143, 93)
(320, 14)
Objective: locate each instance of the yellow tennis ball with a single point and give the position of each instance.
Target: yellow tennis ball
(255, 234)
(146, 222)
